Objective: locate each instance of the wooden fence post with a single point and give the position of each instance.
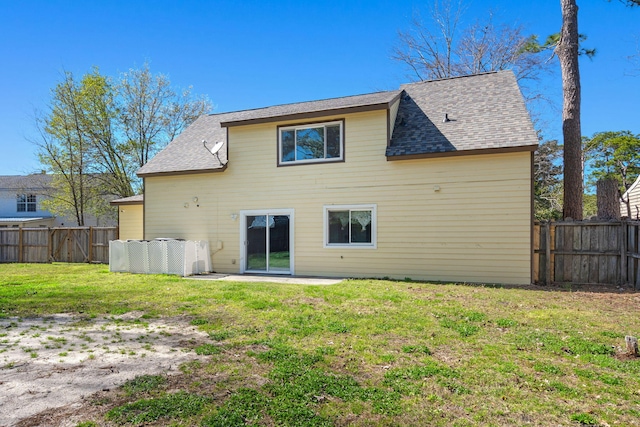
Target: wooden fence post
(50, 245)
(90, 254)
(20, 243)
(547, 243)
(70, 236)
(623, 253)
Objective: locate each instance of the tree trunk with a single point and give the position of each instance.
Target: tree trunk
(567, 51)
(608, 199)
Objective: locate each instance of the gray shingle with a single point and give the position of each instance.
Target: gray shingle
(25, 182)
(278, 112)
(486, 111)
(187, 154)
(131, 200)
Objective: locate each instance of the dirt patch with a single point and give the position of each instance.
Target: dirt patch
(56, 361)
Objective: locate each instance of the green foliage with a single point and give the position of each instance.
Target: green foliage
(98, 131)
(589, 205)
(178, 405)
(70, 134)
(547, 178)
(208, 349)
(416, 349)
(143, 384)
(298, 382)
(548, 368)
(614, 155)
(585, 419)
(463, 323)
(506, 323)
(220, 335)
(244, 407)
(551, 42)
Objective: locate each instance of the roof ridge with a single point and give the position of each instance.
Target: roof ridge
(453, 77)
(305, 102)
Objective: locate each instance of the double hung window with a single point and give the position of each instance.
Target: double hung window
(26, 202)
(311, 143)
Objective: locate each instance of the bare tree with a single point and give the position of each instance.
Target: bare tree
(438, 48)
(634, 60)
(429, 50)
(153, 113)
(567, 51)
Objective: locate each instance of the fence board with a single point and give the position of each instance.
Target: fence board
(559, 260)
(62, 244)
(587, 252)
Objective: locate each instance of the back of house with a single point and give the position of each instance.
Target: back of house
(432, 181)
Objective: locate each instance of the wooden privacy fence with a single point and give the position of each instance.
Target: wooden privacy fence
(588, 252)
(60, 244)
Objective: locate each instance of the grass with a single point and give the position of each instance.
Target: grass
(363, 352)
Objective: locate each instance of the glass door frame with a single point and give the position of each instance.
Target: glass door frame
(244, 239)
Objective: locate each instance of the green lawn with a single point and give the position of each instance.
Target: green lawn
(363, 352)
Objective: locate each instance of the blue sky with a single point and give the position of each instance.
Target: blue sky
(248, 54)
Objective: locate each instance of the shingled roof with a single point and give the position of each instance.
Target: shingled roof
(131, 200)
(33, 182)
(484, 112)
(186, 153)
(323, 107)
(461, 115)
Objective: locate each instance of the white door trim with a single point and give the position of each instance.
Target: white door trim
(243, 236)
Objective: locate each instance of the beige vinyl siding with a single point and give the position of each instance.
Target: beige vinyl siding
(476, 228)
(130, 222)
(634, 201)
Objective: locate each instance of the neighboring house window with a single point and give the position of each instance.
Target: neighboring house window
(26, 202)
(311, 143)
(350, 226)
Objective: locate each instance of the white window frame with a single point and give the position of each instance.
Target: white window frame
(25, 203)
(355, 207)
(295, 128)
(243, 236)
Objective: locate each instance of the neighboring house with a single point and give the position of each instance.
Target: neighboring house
(633, 195)
(432, 181)
(21, 199)
(130, 217)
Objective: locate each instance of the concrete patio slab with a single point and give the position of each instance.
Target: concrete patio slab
(297, 280)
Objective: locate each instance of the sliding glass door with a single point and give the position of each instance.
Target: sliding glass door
(267, 243)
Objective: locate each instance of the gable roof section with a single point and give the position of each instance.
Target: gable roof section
(484, 111)
(186, 154)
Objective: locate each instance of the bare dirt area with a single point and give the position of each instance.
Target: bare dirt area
(50, 364)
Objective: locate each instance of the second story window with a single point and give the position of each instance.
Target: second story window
(311, 143)
(26, 202)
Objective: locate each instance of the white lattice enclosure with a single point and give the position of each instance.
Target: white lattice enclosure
(161, 256)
